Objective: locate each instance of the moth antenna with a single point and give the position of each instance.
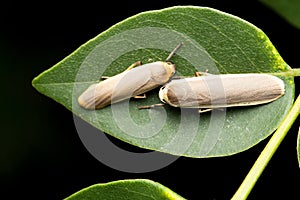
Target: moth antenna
(173, 52)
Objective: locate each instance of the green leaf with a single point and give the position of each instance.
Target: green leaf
(288, 9)
(298, 146)
(126, 189)
(213, 40)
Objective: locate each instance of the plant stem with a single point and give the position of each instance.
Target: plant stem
(265, 156)
(291, 72)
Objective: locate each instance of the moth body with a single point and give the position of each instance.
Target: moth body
(129, 83)
(219, 91)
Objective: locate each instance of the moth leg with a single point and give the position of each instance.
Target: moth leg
(197, 74)
(141, 96)
(209, 109)
(151, 106)
(138, 63)
(105, 77)
(204, 110)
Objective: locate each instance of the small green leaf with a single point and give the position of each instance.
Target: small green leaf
(288, 9)
(126, 189)
(298, 146)
(213, 40)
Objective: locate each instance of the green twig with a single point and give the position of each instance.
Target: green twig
(265, 156)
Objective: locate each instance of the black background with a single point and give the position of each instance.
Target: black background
(41, 153)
